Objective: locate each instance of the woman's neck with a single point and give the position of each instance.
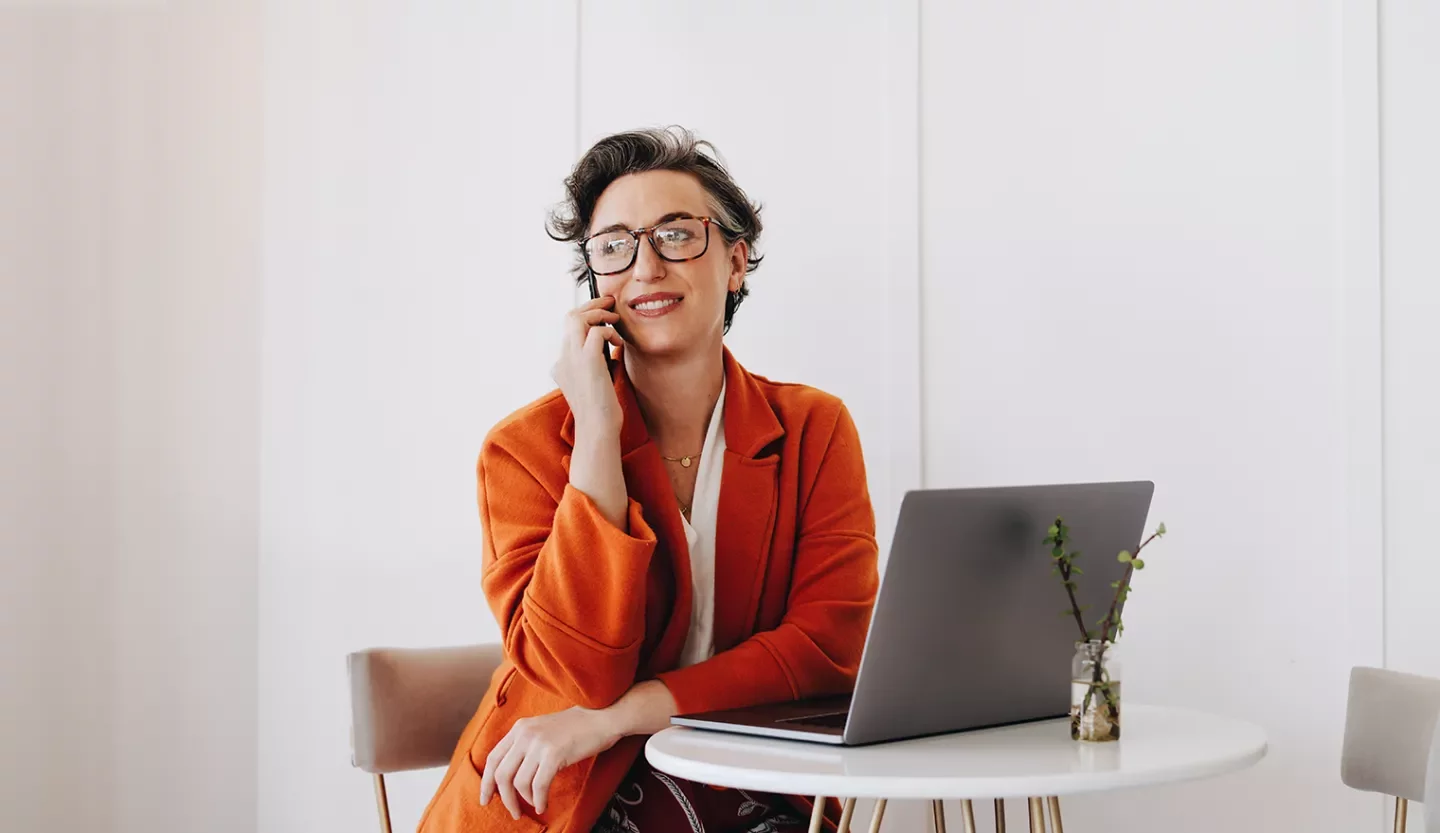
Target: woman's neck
(677, 397)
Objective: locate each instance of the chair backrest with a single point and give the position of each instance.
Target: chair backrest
(409, 706)
(1390, 727)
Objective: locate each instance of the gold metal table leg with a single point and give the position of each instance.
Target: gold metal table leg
(1055, 825)
(1037, 815)
(877, 816)
(817, 815)
(967, 814)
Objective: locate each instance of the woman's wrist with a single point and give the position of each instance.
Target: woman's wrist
(595, 469)
(597, 425)
(644, 710)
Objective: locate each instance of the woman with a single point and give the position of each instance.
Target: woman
(665, 534)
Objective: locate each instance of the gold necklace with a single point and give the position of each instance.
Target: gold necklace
(683, 461)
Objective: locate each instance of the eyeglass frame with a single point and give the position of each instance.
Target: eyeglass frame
(635, 235)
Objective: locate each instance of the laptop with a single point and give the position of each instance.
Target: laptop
(967, 631)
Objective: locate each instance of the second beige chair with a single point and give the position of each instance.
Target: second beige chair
(1391, 737)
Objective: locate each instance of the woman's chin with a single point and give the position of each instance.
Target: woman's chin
(659, 345)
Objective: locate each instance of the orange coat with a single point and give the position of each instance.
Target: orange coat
(795, 581)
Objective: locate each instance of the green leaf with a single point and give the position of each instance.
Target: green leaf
(1054, 530)
(1124, 557)
(1077, 571)
(1115, 585)
(1139, 563)
(1057, 552)
(1160, 530)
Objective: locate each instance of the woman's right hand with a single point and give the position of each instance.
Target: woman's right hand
(582, 371)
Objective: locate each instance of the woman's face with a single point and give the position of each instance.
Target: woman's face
(667, 308)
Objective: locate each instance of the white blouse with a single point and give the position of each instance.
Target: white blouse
(700, 536)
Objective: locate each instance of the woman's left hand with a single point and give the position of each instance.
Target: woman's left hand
(525, 761)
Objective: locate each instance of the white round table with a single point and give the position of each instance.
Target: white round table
(1037, 761)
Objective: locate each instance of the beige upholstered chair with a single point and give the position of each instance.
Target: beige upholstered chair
(1391, 737)
(409, 706)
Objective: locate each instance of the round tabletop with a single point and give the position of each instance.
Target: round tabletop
(1157, 745)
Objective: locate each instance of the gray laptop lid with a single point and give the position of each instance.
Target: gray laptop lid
(970, 613)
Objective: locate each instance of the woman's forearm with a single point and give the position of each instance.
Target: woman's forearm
(595, 470)
(644, 710)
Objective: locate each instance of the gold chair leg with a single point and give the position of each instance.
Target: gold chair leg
(846, 815)
(1037, 816)
(999, 815)
(1401, 807)
(967, 814)
(817, 815)
(937, 814)
(877, 816)
(1055, 824)
(382, 803)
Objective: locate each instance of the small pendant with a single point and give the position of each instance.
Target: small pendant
(685, 462)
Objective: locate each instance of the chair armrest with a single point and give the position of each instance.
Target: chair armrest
(409, 706)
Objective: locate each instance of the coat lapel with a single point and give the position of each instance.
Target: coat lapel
(748, 492)
(745, 521)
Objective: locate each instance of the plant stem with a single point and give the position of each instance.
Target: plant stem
(1074, 603)
(1111, 620)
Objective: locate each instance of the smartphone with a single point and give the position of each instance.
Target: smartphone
(594, 296)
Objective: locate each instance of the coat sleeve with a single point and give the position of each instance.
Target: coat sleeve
(815, 651)
(565, 585)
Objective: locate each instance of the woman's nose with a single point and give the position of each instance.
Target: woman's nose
(649, 266)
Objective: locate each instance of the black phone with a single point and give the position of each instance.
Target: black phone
(595, 296)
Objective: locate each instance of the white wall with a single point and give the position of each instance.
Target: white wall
(1130, 271)
(1410, 133)
(129, 200)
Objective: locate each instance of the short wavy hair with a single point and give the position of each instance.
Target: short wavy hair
(670, 148)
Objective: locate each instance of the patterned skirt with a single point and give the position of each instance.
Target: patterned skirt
(653, 802)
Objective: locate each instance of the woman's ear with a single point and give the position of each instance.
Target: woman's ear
(739, 259)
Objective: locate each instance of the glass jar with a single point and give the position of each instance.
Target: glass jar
(1094, 692)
